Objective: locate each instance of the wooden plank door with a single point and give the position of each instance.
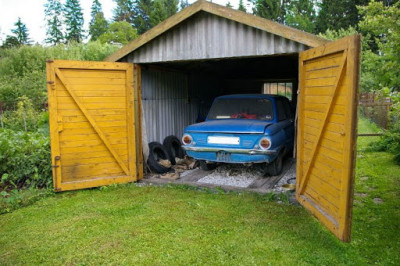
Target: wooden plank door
(327, 124)
(92, 124)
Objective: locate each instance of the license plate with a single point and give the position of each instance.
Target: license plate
(223, 140)
(223, 156)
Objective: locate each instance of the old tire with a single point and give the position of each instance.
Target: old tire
(157, 152)
(207, 166)
(174, 148)
(275, 168)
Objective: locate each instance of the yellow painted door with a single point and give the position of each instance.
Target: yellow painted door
(92, 123)
(327, 124)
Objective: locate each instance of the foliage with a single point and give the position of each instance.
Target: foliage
(142, 15)
(183, 4)
(119, 32)
(24, 159)
(10, 42)
(301, 15)
(379, 21)
(21, 32)
(73, 20)
(338, 14)
(271, 9)
(53, 12)
(229, 5)
(162, 9)
(241, 6)
(25, 117)
(99, 27)
(98, 24)
(124, 11)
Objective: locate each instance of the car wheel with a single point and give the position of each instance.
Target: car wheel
(157, 152)
(207, 166)
(275, 168)
(174, 148)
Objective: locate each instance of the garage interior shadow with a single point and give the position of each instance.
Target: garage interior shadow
(181, 93)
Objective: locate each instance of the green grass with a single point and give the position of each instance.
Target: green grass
(129, 224)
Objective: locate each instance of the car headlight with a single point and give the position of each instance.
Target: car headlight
(265, 143)
(187, 139)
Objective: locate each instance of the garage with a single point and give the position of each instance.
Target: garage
(168, 78)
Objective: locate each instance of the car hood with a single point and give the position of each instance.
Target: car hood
(230, 126)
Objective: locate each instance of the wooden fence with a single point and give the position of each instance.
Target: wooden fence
(376, 109)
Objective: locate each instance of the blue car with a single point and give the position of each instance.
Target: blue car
(246, 129)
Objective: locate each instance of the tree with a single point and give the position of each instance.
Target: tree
(53, 13)
(98, 24)
(241, 6)
(21, 32)
(380, 21)
(270, 9)
(124, 11)
(73, 20)
(338, 14)
(301, 15)
(142, 11)
(229, 4)
(11, 41)
(161, 10)
(119, 32)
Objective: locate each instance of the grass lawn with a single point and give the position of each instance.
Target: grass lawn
(129, 224)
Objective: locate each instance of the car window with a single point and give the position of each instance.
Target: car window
(242, 108)
(281, 110)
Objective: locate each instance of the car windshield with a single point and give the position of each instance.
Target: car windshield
(241, 108)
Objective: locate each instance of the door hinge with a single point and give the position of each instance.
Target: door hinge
(55, 166)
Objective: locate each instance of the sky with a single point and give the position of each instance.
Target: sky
(31, 13)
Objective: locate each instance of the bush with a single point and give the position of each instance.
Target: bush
(24, 159)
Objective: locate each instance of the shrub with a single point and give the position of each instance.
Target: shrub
(24, 159)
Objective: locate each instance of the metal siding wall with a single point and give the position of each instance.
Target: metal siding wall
(206, 36)
(164, 99)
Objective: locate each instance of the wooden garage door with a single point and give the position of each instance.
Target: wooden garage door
(91, 107)
(327, 121)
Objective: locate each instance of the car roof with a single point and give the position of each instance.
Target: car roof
(249, 96)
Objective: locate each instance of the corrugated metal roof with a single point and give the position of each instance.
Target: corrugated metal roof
(206, 36)
(255, 26)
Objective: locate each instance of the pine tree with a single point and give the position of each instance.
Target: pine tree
(338, 14)
(53, 13)
(98, 24)
(21, 32)
(301, 15)
(241, 6)
(73, 20)
(270, 9)
(161, 10)
(124, 11)
(229, 4)
(142, 10)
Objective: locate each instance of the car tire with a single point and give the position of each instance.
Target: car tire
(174, 148)
(157, 152)
(276, 167)
(207, 166)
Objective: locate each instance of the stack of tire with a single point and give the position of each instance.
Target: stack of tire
(169, 150)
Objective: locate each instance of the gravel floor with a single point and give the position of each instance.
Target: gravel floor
(233, 175)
